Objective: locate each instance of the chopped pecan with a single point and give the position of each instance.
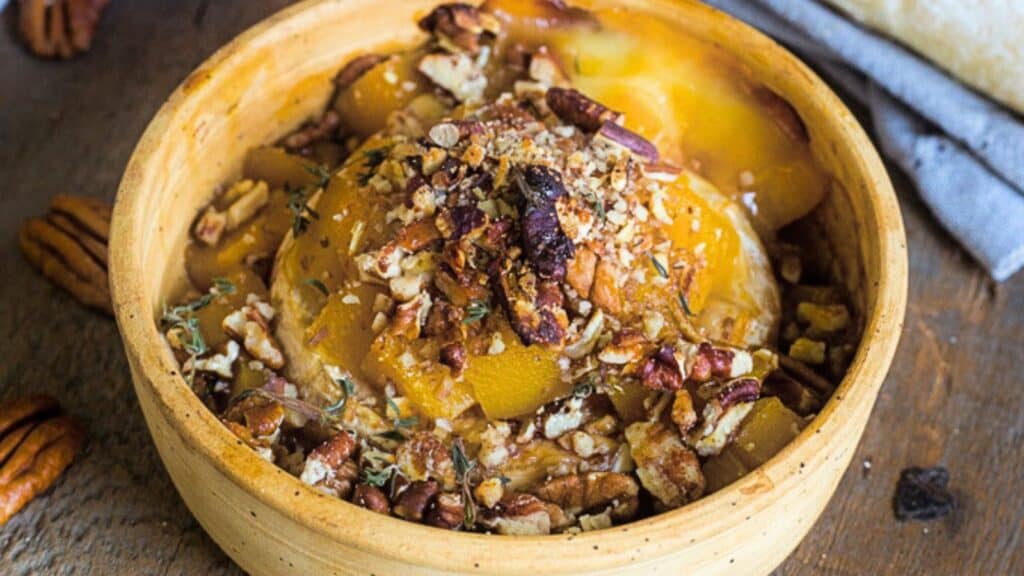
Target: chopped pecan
(264, 420)
(594, 492)
(424, 456)
(489, 492)
(36, 445)
(571, 106)
(372, 498)
(460, 26)
(446, 511)
(666, 467)
(325, 461)
(69, 246)
(534, 307)
(251, 324)
(414, 501)
(683, 414)
(461, 222)
(728, 404)
(411, 316)
(61, 28)
(661, 370)
(355, 69)
(544, 68)
(739, 390)
(580, 272)
(454, 356)
(456, 73)
(545, 244)
(635, 143)
(605, 289)
(626, 347)
(708, 362)
(518, 514)
(325, 128)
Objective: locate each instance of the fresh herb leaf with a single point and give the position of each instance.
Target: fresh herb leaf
(685, 304)
(476, 310)
(348, 389)
(392, 435)
(223, 286)
(462, 464)
(321, 174)
(378, 478)
(400, 422)
(302, 214)
(658, 266)
(598, 206)
(463, 467)
(374, 158)
(318, 285)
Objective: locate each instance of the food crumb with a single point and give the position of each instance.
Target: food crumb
(922, 494)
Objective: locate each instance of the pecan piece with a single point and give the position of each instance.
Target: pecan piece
(635, 143)
(69, 246)
(571, 106)
(355, 69)
(459, 26)
(534, 307)
(371, 498)
(35, 447)
(666, 467)
(456, 73)
(324, 128)
(413, 501)
(61, 28)
(580, 271)
(546, 245)
(661, 370)
(454, 356)
(518, 514)
(325, 462)
(424, 456)
(446, 511)
(597, 491)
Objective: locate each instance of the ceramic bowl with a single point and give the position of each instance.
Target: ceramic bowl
(277, 74)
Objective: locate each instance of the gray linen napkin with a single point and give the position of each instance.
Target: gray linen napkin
(964, 153)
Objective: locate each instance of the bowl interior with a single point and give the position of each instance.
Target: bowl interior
(278, 74)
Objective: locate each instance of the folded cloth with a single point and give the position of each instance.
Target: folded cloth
(964, 153)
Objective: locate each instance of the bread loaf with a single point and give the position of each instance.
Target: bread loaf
(979, 41)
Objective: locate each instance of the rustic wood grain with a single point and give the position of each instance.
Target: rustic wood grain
(953, 396)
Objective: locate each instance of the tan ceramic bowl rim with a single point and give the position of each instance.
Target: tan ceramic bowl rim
(345, 522)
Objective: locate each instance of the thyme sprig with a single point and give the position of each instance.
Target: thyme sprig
(320, 286)
(374, 158)
(463, 469)
(475, 311)
(685, 304)
(302, 214)
(183, 318)
(399, 422)
(322, 175)
(658, 266)
(348, 389)
(598, 205)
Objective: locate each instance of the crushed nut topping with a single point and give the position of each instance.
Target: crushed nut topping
(493, 306)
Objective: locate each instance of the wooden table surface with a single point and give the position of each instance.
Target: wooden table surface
(953, 397)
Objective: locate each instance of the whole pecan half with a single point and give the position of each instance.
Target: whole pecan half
(36, 445)
(61, 28)
(571, 106)
(69, 246)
